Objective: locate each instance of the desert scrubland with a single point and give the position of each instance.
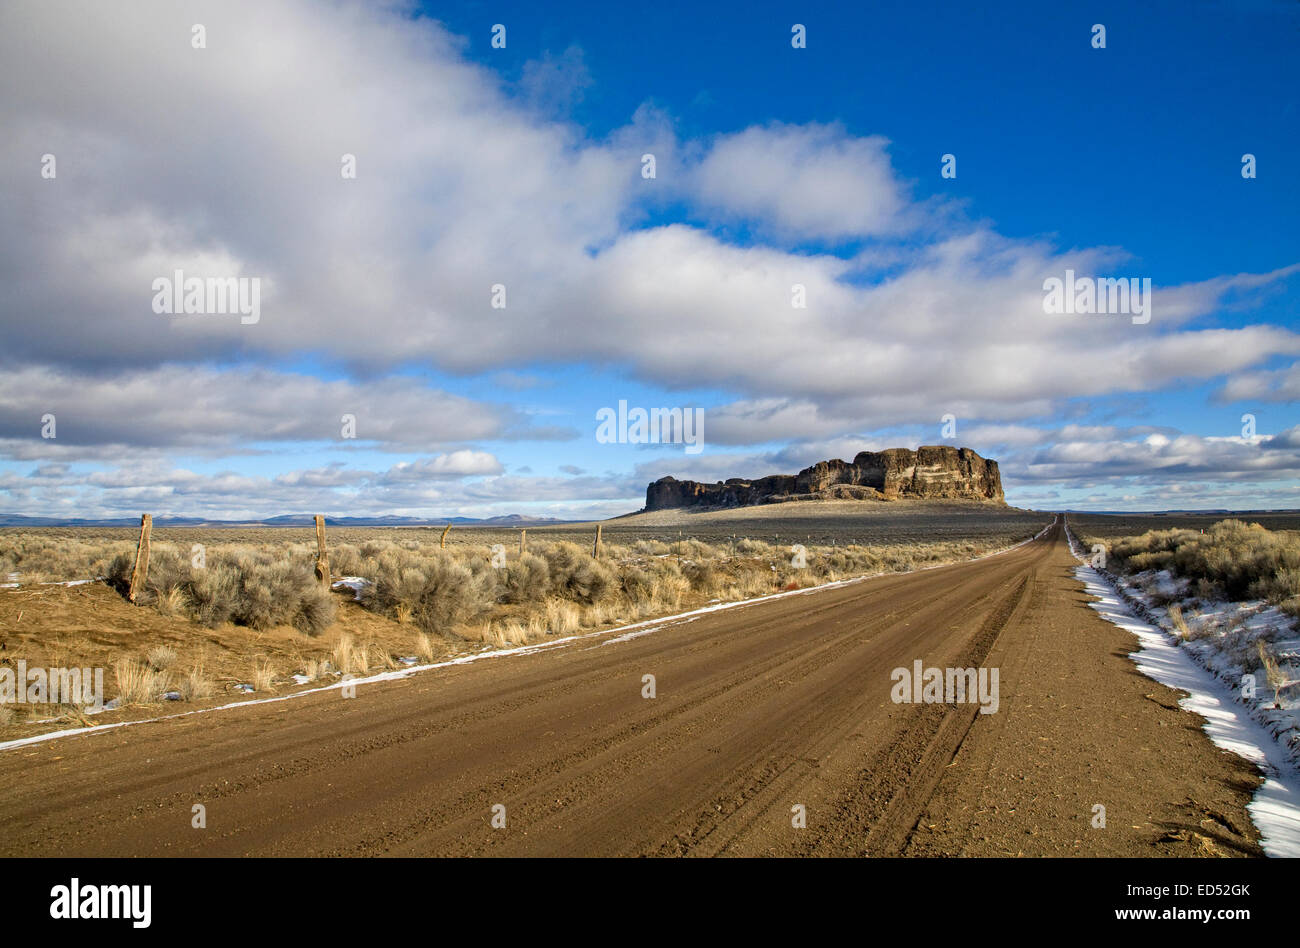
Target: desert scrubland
(233, 612)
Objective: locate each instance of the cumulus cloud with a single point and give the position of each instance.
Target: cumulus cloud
(805, 181)
(456, 464)
(460, 187)
(1275, 385)
(1161, 458)
(210, 409)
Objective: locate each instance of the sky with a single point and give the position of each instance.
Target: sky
(465, 231)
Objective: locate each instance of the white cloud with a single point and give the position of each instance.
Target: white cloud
(1275, 385)
(805, 181)
(1159, 459)
(461, 463)
(209, 409)
(460, 187)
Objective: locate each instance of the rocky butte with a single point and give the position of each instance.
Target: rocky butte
(937, 472)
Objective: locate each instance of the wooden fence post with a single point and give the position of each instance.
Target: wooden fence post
(595, 547)
(140, 572)
(442, 544)
(523, 542)
(322, 555)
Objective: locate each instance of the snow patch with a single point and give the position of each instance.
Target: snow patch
(358, 585)
(628, 636)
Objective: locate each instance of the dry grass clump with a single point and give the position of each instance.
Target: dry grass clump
(1276, 675)
(562, 618)
(672, 587)
(138, 683)
(195, 685)
(424, 649)
(491, 635)
(663, 584)
(515, 632)
(703, 576)
(593, 617)
(262, 676)
(1179, 623)
(376, 656)
(748, 585)
(346, 655)
(171, 603)
(161, 657)
(637, 584)
(695, 549)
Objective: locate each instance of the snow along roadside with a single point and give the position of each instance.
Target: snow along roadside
(1275, 808)
(648, 625)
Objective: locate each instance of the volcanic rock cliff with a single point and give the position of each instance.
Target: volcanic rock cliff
(937, 471)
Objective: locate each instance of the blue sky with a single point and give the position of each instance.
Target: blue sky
(522, 165)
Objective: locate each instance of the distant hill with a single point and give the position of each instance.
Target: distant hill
(1186, 511)
(288, 520)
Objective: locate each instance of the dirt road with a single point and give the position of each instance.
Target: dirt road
(758, 710)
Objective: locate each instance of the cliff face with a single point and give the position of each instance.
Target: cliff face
(938, 471)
